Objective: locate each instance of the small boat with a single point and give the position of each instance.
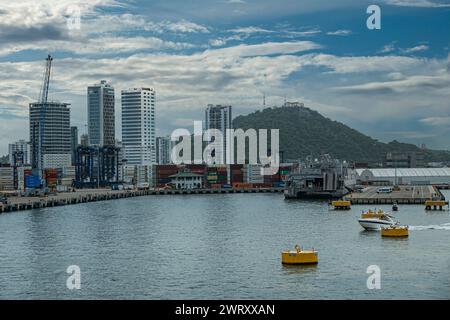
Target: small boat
(299, 256)
(371, 220)
(395, 207)
(395, 231)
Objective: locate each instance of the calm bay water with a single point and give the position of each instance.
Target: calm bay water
(218, 247)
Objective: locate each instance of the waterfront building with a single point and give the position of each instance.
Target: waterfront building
(187, 180)
(74, 143)
(50, 134)
(164, 147)
(19, 152)
(410, 176)
(101, 117)
(403, 160)
(138, 126)
(219, 117)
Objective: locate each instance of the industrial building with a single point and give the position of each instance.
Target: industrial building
(101, 117)
(406, 176)
(138, 126)
(403, 160)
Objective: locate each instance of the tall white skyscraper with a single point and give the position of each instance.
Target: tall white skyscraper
(219, 117)
(101, 117)
(138, 126)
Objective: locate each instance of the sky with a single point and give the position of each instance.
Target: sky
(391, 83)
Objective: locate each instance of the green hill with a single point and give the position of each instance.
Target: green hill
(306, 132)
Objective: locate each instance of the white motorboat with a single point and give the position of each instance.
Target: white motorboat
(371, 220)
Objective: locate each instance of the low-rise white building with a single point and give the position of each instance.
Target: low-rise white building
(187, 180)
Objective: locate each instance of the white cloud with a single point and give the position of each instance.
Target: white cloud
(418, 3)
(388, 48)
(416, 49)
(341, 32)
(269, 48)
(409, 84)
(250, 30)
(361, 64)
(436, 121)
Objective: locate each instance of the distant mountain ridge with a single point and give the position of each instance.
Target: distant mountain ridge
(306, 132)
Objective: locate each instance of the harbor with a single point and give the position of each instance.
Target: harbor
(219, 246)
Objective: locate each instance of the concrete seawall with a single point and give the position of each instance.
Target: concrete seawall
(84, 196)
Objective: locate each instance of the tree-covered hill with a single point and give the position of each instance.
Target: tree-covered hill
(306, 132)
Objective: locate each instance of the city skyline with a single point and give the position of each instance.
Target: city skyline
(391, 83)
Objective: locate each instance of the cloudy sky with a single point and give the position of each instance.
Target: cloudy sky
(392, 83)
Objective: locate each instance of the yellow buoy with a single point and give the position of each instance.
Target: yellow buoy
(299, 256)
(341, 204)
(395, 231)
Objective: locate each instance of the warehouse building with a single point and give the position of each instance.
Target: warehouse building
(405, 176)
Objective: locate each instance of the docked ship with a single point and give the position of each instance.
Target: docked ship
(325, 178)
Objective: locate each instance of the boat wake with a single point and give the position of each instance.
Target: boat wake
(445, 226)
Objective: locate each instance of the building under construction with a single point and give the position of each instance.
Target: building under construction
(96, 166)
(49, 129)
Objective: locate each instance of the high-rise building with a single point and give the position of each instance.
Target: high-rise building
(19, 149)
(163, 150)
(50, 135)
(138, 126)
(74, 143)
(219, 117)
(101, 118)
(84, 140)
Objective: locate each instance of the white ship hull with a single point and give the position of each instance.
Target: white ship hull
(374, 224)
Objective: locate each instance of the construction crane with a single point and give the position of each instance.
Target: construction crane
(47, 73)
(43, 100)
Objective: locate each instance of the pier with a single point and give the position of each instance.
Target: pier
(92, 195)
(403, 195)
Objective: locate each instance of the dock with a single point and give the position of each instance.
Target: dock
(405, 195)
(93, 195)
